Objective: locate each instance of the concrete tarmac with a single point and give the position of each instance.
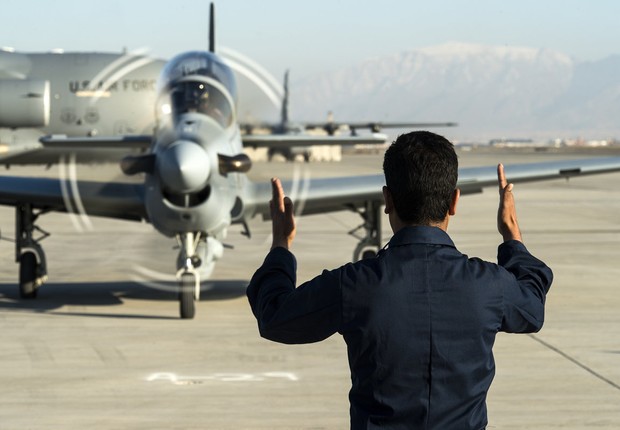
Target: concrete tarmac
(102, 346)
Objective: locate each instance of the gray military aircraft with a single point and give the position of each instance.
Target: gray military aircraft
(50, 101)
(331, 127)
(195, 185)
(73, 94)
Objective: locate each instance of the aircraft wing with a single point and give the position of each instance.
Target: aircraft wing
(474, 179)
(375, 126)
(312, 196)
(252, 140)
(288, 140)
(112, 142)
(105, 199)
(48, 149)
(339, 193)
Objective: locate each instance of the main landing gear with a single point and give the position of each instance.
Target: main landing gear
(370, 243)
(28, 252)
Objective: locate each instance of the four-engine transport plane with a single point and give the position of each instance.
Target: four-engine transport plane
(74, 94)
(195, 185)
(285, 126)
(49, 102)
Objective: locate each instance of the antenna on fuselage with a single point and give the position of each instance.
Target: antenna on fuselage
(212, 28)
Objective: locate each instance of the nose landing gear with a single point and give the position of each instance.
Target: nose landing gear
(189, 283)
(188, 276)
(196, 260)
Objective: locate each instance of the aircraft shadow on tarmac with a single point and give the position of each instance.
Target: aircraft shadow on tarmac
(54, 296)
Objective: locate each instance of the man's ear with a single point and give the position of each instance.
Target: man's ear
(387, 199)
(454, 202)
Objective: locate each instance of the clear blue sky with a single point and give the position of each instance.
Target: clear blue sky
(311, 36)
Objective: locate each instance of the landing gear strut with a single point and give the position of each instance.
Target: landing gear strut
(28, 252)
(370, 243)
(188, 276)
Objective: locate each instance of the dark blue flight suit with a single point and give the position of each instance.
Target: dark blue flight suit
(419, 322)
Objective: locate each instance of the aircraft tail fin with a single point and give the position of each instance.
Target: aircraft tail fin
(284, 112)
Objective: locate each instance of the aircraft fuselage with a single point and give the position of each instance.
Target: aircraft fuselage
(74, 94)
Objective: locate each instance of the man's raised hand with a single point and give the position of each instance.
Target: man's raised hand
(507, 224)
(282, 218)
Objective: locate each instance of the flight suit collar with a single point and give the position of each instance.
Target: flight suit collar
(420, 235)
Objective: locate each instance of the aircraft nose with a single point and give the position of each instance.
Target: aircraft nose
(184, 167)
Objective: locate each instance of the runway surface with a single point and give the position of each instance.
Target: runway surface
(102, 347)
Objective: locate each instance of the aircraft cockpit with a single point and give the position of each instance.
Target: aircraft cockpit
(202, 98)
(198, 82)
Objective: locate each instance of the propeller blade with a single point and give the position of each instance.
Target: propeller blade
(132, 164)
(284, 113)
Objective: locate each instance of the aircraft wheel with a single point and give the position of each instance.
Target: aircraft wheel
(28, 275)
(369, 253)
(186, 296)
(364, 250)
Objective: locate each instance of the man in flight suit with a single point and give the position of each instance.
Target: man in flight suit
(420, 319)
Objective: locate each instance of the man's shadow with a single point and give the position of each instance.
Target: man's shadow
(53, 296)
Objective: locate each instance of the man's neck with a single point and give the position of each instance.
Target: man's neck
(397, 224)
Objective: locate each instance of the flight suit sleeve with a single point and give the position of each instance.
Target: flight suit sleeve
(524, 290)
(310, 313)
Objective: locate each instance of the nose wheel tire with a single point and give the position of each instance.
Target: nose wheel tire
(187, 295)
(28, 275)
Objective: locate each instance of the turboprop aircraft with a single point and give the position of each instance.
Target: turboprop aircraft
(195, 185)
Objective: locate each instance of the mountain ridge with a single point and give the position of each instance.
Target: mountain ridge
(490, 91)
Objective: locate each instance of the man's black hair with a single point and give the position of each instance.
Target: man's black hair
(421, 171)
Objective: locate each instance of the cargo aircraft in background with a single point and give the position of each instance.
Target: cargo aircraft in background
(331, 127)
(195, 184)
(60, 106)
(51, 102)
(73, 94)
(46, 98)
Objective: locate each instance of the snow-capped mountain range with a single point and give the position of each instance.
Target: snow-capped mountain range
(491, 91)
